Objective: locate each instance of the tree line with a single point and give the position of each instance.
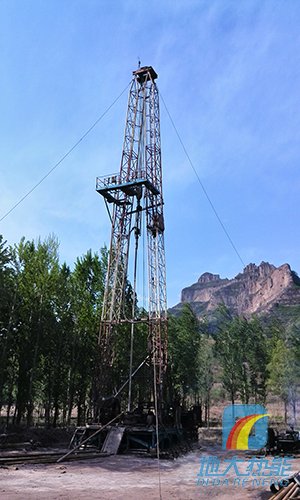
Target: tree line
(246, 360)
(49, 325)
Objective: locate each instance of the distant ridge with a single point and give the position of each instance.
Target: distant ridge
(257, 290)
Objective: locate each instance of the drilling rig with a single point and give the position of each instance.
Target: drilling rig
(133, 195)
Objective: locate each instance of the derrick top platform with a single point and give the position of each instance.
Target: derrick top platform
(141, 73)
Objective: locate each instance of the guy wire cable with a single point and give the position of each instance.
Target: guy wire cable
(202, 185)
(64, 156)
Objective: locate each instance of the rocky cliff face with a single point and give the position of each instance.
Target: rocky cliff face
(256, 290)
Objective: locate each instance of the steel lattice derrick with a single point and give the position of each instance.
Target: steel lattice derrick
(136, 189)
(156, 250)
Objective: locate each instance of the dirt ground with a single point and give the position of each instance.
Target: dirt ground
(126, 477)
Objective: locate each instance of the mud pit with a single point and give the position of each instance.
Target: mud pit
(123, 477)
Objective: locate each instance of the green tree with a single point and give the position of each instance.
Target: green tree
(38, 265)
(228, 352)
(256, 358)
(205, 373)
(87, 296)
(184, 343)
(55, 357)
(8, 298)
(284, 374)
(242, 351)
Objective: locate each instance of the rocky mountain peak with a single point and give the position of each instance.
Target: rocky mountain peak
(208, 278)
(258, 289)
(264, 269)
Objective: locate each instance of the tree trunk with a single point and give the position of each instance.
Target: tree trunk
(208, 409)
(30, 405)
(56, 413)
(232, 397)
(3, 361)
(47, 414)
(70, 402)
(285, 412)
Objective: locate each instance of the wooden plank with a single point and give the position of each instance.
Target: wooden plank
(113, 440)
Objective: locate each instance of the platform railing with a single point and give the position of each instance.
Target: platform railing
(116, 179)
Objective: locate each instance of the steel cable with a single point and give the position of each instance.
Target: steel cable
(64, 156)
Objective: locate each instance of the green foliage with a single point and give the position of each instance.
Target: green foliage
(284, 369)
(280, 370)
(205, 374)
(7, 307)
(241, 347)
(87, 283)
(184, 341)
(205, 368)
(49, 327)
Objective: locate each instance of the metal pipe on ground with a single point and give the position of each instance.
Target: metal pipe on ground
(292, 490)
(283, 493)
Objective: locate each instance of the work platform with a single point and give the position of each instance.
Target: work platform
(108, 185)
(124, 439)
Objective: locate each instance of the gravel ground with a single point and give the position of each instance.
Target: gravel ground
(126, 477)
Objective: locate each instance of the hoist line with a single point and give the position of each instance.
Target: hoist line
(157, 428)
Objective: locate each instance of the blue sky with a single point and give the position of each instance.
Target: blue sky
(229, 72)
